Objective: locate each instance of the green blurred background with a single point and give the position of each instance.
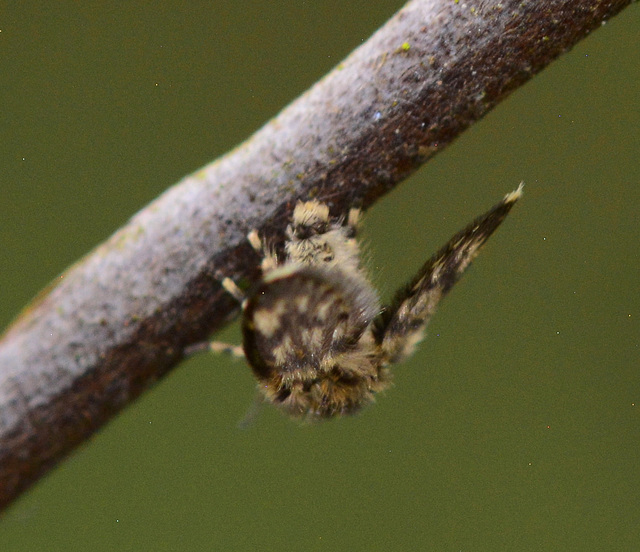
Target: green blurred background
(517, 424)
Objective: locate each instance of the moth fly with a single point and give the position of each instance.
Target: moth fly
(314, 332)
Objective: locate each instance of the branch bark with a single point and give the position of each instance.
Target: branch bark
(119, 319)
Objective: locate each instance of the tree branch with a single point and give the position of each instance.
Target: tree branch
(120, 318)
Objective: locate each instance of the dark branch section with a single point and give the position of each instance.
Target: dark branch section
(120, 318)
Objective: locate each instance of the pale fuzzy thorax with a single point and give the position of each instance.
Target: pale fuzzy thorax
(314, 238)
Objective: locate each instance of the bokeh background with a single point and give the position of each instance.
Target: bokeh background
(517, 424)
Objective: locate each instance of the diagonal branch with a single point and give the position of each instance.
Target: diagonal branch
(120, 318)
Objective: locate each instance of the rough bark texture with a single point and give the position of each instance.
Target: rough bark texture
(120, 318)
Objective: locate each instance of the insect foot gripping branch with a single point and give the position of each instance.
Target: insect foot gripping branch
(314, 332)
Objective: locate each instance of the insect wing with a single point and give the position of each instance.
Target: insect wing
(296, 321)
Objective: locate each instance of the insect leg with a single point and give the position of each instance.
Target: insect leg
(216, 347)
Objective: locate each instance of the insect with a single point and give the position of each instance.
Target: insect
(314, 332)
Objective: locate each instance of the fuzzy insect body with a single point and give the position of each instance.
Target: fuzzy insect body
(314, 332)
